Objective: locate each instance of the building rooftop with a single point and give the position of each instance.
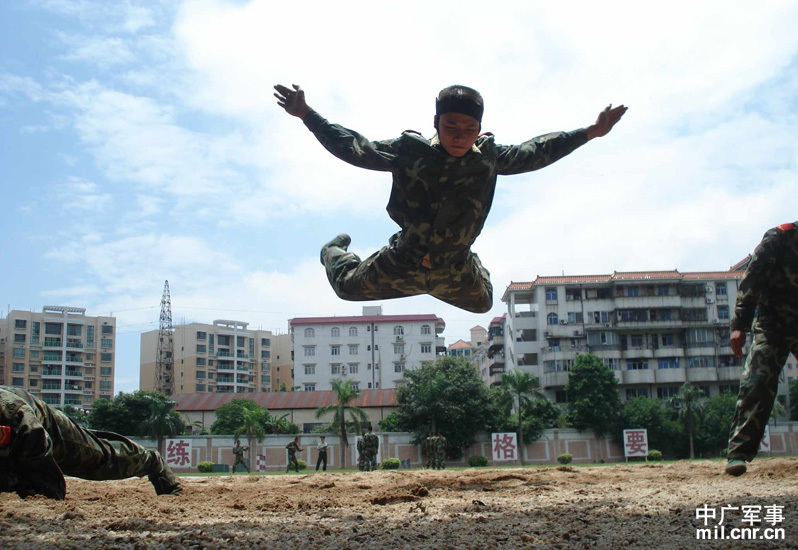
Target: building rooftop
(367, 319)
(284, 400)
(460, 344)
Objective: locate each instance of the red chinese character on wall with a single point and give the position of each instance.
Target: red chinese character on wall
(504, 446)
(636, 442)
(178, 453)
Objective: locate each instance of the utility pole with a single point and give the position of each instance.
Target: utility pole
(164, 365)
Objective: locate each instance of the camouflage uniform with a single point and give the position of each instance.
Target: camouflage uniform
(429, 451)
(439, 456)
(238, 452)
(293, 449)
(45, 444)
(361, 456)
(371, 444)
(770, 285)
(440, 202)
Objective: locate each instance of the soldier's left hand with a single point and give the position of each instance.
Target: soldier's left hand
(737, 341)
(607, 118)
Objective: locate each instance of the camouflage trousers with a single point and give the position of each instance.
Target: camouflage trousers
(239, 460)
(47, 445)
(369, 461)
(292, 461)
(388, 273)
(758, 387)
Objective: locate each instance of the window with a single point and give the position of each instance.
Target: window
(335, 350)
(90, 336)
(668, 363)
(108, 329)
(426, 329)
(34, 354)
(575, 317)
(19, 367)
(241, 341)
(107, 343)
(335, 368)
(18, 382)
(34, 383)
(19, 353)
(200, 374)
(398, 367)
(426, 348)
(633, 291)
(552, 319)
(201, 335)
(34, 368)
(636, 340)
(352, 331)
(265, 342)
(199, 388)
(310, 369)
(201, 361)
(52, 328)
(352, 349)
(636, 392)
(723, 312)
(612, 362)
(202, 348)
(105, 357)
(701, 361)
(310, 387)
(704, 389)
(19, 338)
(355, 385)
(636, 364)
(105, 384)
(105, 371)
(309, 333)
(399, 348)
(398, 330)
(335, 332)
(723, 388)
(20, 324)
(309, 351)
(720, 289)
(353, 368)
(667, 340)
(224, 340)
(551, 294)
(667, 392)
(560, 396)
(662, 290)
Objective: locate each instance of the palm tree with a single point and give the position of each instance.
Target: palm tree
(254, 422)
(521, 389)
(689, 403)
(162, 421)
(778, 410)
(345, 394)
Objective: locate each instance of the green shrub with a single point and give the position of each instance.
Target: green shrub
(654, 454)
(205, 467)
(477, 461)
(302, 464)
(565, 458)
(391, 464)
(724, 452)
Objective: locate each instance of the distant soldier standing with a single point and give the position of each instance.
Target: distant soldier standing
(440, 452)
(770, 289)
(371, 445)
(238, 452)
(322, 460)
(361, 458)
(429, 450)
(293, 449)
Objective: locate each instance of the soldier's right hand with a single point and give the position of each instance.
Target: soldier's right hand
(737, 341)
(293, 101)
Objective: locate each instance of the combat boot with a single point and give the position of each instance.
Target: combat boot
(164, 480)
(342, 241)
(736, 467)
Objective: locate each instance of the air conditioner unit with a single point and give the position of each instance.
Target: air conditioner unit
(400, 338)
(563, 321)
(716, 321)
(607, 325)
(708, 288)
(577, 333)
(710, 300)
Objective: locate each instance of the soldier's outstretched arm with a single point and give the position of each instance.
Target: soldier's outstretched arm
(755, 279)
(607, 118)
(293, 101)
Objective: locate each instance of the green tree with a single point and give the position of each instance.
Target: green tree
(446, 396)
(522, 389)
(280, 424)
(651, 414)
(392, 423)
(712, 435)
(793, 393)
(345, 395)
(689, 405)
(254, 427)
(592, 391)
(162, 421)
(78, 415)
(126, 413)
(231, 417)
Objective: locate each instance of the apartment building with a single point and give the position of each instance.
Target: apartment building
(655, 330)
(461, 348)
(223, 357)
(371, 349)
(489, 357)
(282, 362)
(60, 354)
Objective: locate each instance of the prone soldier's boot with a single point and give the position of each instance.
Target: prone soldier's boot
(341, 242)
(164, 480)
(736, 467)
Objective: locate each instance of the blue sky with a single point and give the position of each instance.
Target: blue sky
(139, 141)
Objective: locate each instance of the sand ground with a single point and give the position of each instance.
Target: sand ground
(612, 506)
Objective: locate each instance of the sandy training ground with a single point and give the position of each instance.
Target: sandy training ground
(614, 506)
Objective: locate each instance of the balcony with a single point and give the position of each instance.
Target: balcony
(496, 369)
(223, 353)
(555, 379)
(702, 374)
(638, 353)
(51, 372)
(644, 376)
(52, 342)
(733, 374)
(72, 373)
(668, 352)
(666, 376)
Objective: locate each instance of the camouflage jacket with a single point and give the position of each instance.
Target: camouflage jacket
(239, 450)
(293, 448)
(770, 283)
(371, 443)
(440, 201)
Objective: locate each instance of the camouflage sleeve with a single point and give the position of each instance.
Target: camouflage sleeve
(538, 152)
(352, 147)
(755, 280)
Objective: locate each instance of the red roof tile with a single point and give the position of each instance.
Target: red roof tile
(187, 402)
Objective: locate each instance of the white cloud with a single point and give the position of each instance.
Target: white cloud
(101, 51)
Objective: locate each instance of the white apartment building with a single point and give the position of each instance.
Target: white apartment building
(655, 329)
(61, 355)
(489, 357)
(224, 357)
(371, 349)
